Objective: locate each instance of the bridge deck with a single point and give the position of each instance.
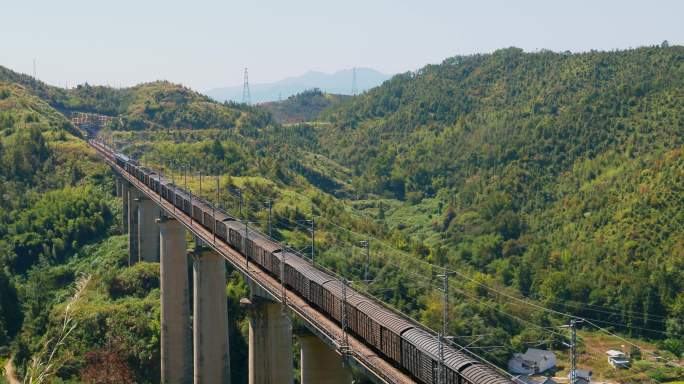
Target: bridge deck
(359, 351)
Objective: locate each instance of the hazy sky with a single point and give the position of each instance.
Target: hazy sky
(204, 43)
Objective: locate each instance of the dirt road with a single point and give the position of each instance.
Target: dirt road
(9, 372)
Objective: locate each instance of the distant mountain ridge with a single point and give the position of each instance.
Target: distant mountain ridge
(339, 82)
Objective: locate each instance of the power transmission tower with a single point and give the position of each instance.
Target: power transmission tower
(34, 68)
(246, 95)
(354, 91)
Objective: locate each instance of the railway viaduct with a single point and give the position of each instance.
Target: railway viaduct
(194, 341)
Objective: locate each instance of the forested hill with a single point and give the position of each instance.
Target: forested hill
(305, 106)
(560, 174)
(535, 111)
(155, 105)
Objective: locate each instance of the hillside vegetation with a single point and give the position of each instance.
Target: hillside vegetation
(305, 106)
(157, 105)
(548, 178)
(559, 174)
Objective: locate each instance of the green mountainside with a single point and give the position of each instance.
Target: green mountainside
(158, 105)
(305, 106)
(550, 178)
(559, 174)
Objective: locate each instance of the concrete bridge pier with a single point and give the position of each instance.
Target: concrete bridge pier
(133, 241)
(124, 211)
(148, 230)
(176, 338)
(320, 364)
(270, 342)
(210, 318)
(118, 186)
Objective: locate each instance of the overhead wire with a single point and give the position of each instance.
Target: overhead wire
(498, 292)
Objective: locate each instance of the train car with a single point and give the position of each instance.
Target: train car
(235, 231)
(179, 198)
(333, 298)
(187, 203)
(381, 327)
(416, 354)
(153, 181)
(305, 279)
(208, 220)
(221, 229)
(273, 260)
(455, 362)
(261, 248)
(121, 160)
(132, 168)
(480, 373)
(197, 211)
(165, 193)
(421, 353)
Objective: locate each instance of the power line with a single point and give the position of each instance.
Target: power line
(498, 292)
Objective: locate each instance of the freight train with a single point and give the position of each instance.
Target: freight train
(404, 343)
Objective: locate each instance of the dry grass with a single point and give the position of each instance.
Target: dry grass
(47, 362)
(593, 356)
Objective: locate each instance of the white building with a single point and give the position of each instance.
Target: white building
(583, 376)
(617, 359)
(531, 362)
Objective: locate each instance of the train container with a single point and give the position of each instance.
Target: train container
(416, 359)
(221, 229)
(273, 260)
(300, 274)
(384, 328)
(196, 213)
(333, 299)
(121, 160)
(262, 248)
(179, 196)
(481, 374)
(315, 280)
(208, 219)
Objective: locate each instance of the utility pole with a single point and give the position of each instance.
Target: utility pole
(366, 245)
(313, 236)
(190, 192)
(573, 349)
(160, 187)
(218, 190)
(173, 182)
(34, 69)
(240, 195)
(244, 247)
(270, 232)
(282, 277)
(445, 323)
(345, 338)
(213, 206)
